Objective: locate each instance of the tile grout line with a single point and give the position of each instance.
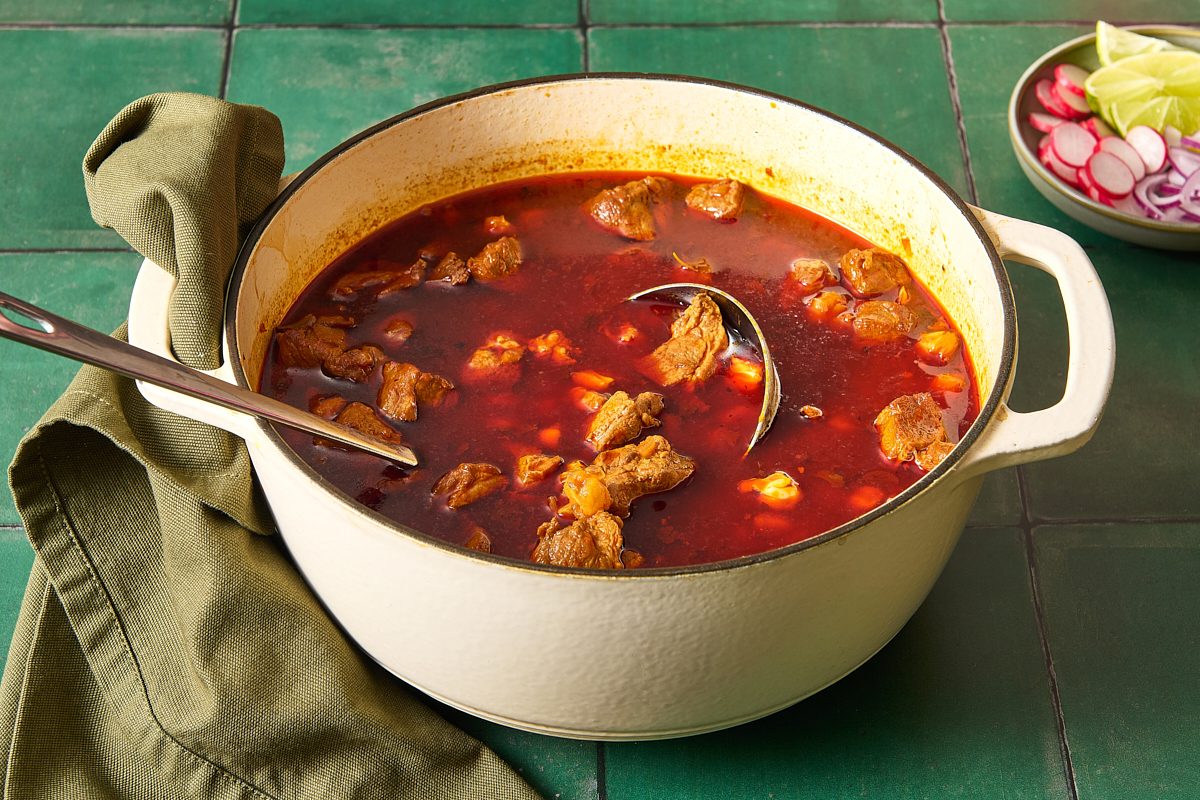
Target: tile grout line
(585, 26)
(230, 29)
(955, 100)
(1060, 719)
(601, 773)
(795, 23)
(7, 251)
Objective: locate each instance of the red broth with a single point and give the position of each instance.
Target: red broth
(573, 278)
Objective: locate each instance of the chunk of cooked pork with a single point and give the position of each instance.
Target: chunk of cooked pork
(536, 467)
(616, 478)
(404, 385)
(811, 274)
(498, 356)
(932, 455)
(873, 271)
(882, 320)
(496, 260)
(720, 200)
(468, 482)
(308, 343)
(327, 405)
(697, 339)
(451, 269)
(628, 209)
(622, 418)
(362, 418)
(909, 425)
(594, 542)
(554, 346)
(356, 364)
(479, 540)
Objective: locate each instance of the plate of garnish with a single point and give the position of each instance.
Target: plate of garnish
(1107, 128)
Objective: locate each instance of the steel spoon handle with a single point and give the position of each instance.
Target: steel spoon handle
(72, 340)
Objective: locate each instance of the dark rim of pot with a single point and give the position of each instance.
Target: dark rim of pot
(985, 412)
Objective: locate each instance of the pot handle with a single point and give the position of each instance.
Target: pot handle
(1016, 438)
(148, 329)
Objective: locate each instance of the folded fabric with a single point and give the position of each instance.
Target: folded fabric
(166, 646)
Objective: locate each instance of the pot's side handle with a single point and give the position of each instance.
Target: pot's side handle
(1016, 438)
(148, 329)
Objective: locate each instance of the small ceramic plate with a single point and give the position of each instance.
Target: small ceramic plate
(1075, 204)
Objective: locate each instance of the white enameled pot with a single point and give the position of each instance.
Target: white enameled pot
(641, 654)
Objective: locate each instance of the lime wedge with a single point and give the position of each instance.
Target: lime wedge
(1113, 43)
(1155, 89)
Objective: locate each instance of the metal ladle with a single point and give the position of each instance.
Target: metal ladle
(741, 323)
(72, 340)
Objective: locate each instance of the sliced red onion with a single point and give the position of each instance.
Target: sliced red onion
(1189, 196)
(1167, 189)
(1175, 177)
(1142, 194)
(1191, 142)
(1171, 135)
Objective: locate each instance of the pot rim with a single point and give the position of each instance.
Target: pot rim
(986, 411)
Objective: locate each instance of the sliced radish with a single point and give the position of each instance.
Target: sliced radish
(1055, 165)
(1150, 145)
(1097, 127)
(1072, 144)
(1089, 187)
(1128, 205)
(1070, 79)
(1122, 150)
(1044, 90)
(1109, 174)
(1075, 102)
(1183, 160)
(1044, 122)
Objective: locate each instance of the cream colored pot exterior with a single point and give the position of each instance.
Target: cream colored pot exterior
(658, 653)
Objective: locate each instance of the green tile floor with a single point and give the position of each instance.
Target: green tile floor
(1059, 655)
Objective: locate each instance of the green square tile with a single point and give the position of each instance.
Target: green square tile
(1125, 11)
(562, 769)
(999, 501)
(328, 84)
(670, 11)
(90, 288)
(389, 12)
(58, 89)
(1141, 462)
(988, 61)
(1123, 622)
(904, 95)
(112, 12)
(16, 558)
(957, 706)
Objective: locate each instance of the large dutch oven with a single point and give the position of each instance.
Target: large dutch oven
(640, 654)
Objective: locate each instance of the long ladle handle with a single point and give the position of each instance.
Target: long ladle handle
(72, 340)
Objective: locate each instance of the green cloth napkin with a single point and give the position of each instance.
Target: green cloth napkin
(166, 647)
